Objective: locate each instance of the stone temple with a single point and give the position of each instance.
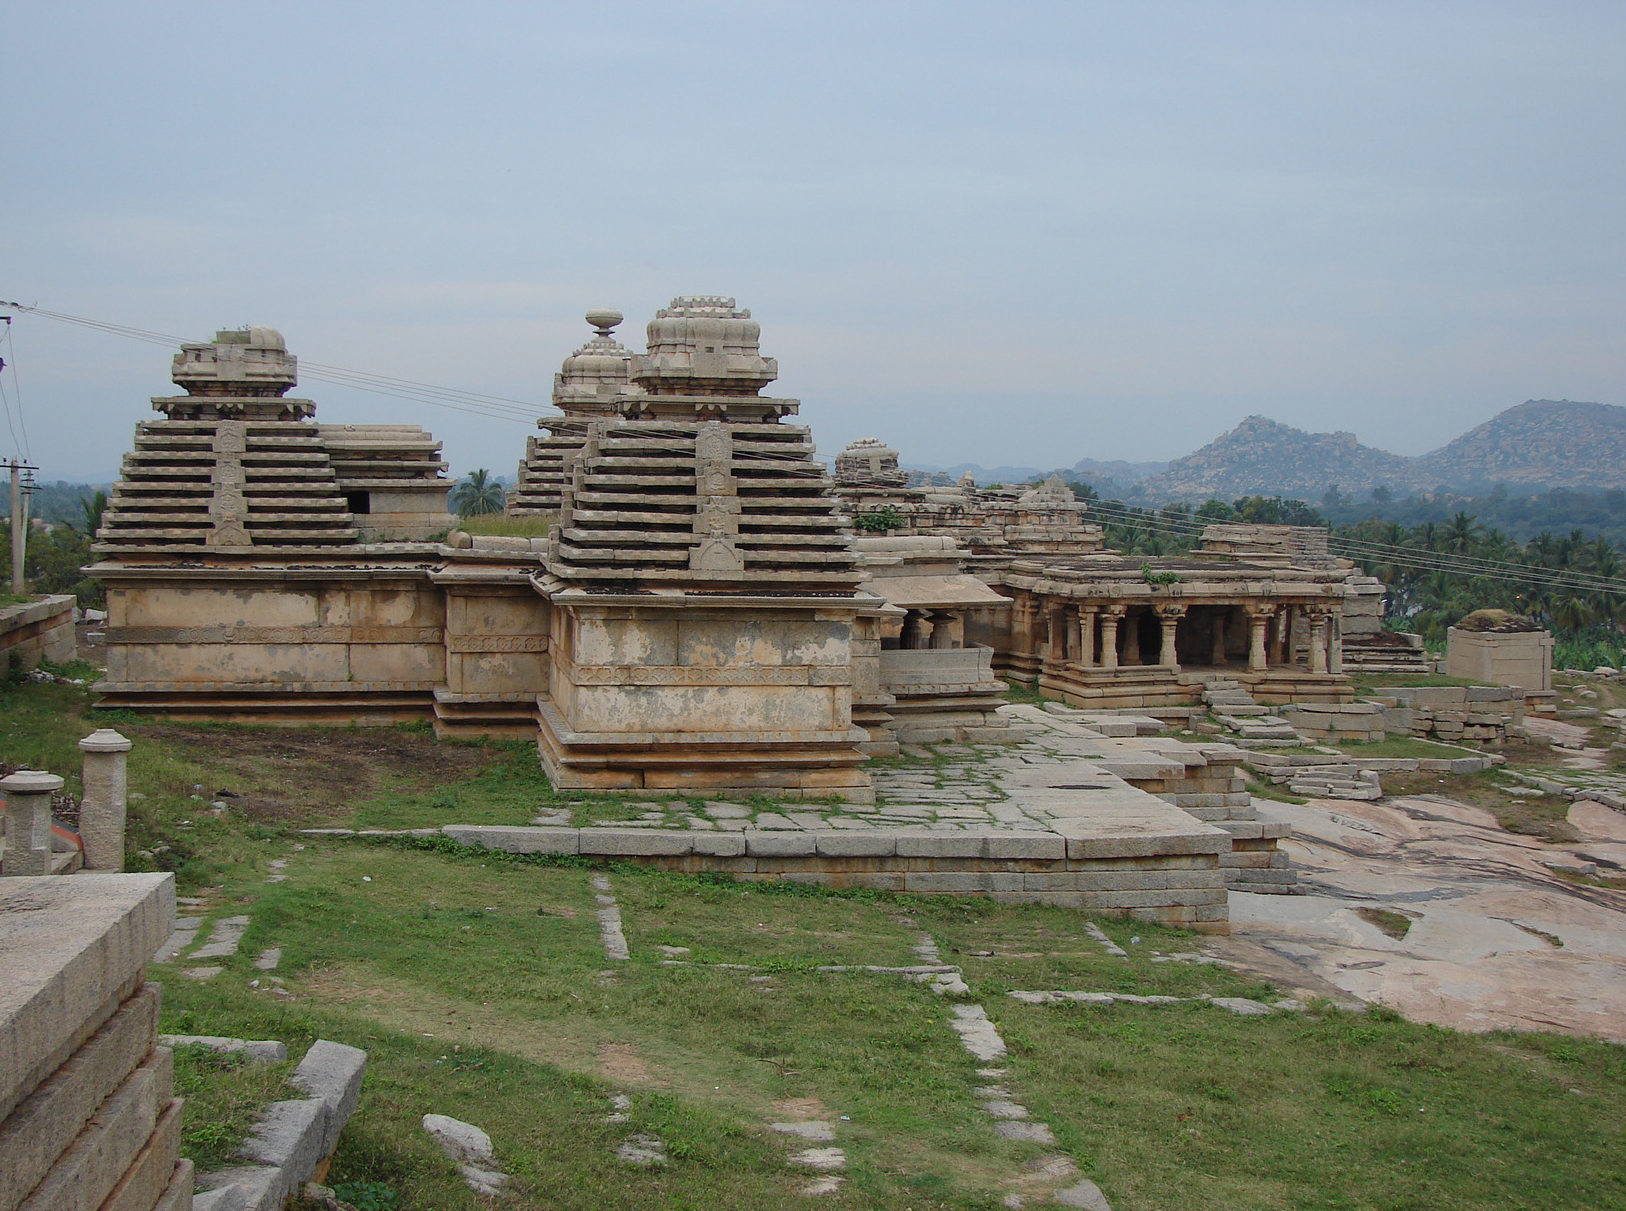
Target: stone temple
(711, 612)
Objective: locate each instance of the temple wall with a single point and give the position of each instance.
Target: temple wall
(248, 635)
(497, 642)
(37, 630)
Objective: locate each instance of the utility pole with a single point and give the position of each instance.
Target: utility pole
(19, 520)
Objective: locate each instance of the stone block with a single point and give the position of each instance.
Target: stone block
(177, 1196)
(857, 844)
(718, 845)
(773, 843)
(259, 1051)
(634, 841)
(74, 948)
(1184, 897)
(52, 1117)
(244, 1188)
(289, 1137)
(1147, 845)
(1041, 847)
(969, 882)
(84, 1175)
(516, 840)
(143, 1183)
(940, 845)
(331, 1072)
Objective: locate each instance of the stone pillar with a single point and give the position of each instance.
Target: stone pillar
(1110, 617)
(1318, 642)
(1282, 652)
(1170, 617)
(1335, 644)
(1055, 648)
(1085, 621)
(1258, 623)
(909, 636)
(942, 635)
(101, 812)
(28, 821)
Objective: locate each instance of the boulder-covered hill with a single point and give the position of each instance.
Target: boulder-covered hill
(1540, 444)
(1264, 457)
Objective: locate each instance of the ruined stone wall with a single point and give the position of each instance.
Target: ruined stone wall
(1521, 658)
(36, 630)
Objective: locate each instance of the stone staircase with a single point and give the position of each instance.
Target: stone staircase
(1237, 712)
(1339, 781)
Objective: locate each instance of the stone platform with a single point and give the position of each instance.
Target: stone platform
(1146, 826)
(87, 1113)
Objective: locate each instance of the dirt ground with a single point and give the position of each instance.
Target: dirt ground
(288, 775)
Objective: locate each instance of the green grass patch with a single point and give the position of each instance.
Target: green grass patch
(1367, 684)
(503, 526)
(479, 987)
(1545, 817)
(225, 1094)
(1269, 790)
(1395, 924)
(1403, 746)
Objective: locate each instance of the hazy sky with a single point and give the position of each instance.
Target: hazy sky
(1021, 233)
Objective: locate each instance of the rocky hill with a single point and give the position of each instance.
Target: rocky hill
(1540, 444)
(1264, 457)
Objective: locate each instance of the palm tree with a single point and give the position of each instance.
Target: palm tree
(92, 507)
(476, 494)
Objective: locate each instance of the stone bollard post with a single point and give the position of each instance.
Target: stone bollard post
(28, 821)
(101, 812)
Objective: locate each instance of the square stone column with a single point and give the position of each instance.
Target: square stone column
(28, 821)
(1318, 642)
(1055, 648)
(1170, 616)
(1084, 624)
(1258, 624)
(101, 811)
(1110, 618)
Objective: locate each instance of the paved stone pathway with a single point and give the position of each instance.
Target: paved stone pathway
(1242, 1006)
(609, 921)
(952, 788)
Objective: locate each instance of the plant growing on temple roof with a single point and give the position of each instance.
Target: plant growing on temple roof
(879, 521)
(1155, 578)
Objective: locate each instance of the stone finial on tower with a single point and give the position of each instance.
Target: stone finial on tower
(702, 344)
(593, 377)
(238, 362)
(869, 462)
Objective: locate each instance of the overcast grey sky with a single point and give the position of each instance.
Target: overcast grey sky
(1018, 233)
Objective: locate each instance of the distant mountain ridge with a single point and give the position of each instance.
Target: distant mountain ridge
(1538, 445)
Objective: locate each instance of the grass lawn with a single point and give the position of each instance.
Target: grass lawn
(1373, 683)
(502, 525)
(479, 987)
(1404, 746)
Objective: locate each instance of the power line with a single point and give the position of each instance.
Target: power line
(1406, 557)
(456, 399)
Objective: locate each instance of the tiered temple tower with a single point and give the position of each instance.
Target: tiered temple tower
(705, 594)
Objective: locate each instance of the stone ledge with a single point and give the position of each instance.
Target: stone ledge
(75, 948)
(292, 1138)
